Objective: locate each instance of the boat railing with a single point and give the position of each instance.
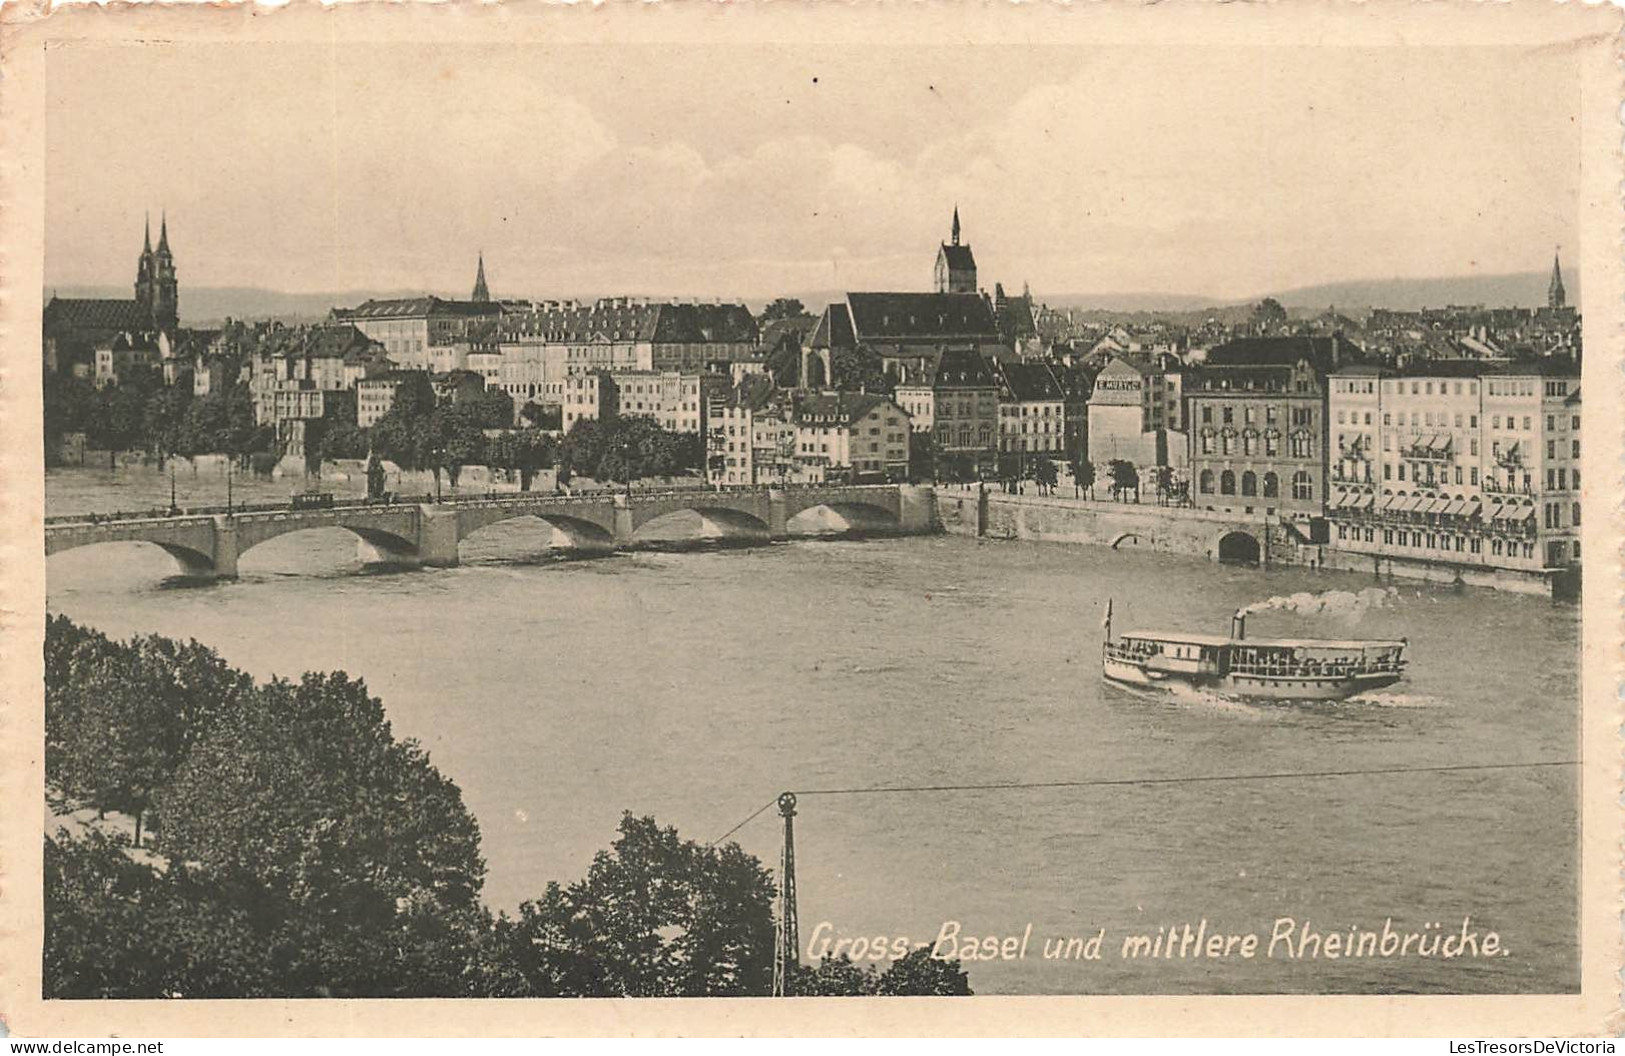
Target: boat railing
(1319, 668)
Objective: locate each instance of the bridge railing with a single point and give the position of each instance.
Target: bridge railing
(489, 498)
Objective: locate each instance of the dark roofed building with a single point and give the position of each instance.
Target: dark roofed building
(73, 328)
(956, 400)
(956, 266)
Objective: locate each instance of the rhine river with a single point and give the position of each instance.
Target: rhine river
(696, 685)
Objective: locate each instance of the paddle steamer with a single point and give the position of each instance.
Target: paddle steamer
(1235, 665)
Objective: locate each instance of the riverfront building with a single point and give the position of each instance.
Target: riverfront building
(761, 435)
(1136, 414)
(1458, 461)
(956, 401)
(1258, 427)
(418, 333)
(1032, 409)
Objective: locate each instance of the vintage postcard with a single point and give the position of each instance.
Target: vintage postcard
(749, 512)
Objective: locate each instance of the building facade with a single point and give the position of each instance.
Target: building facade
(1258, 438)
(957, 403)
(1135, 413)
(1463, 462)
(1032, 410)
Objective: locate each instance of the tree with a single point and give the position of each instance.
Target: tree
(1124, 477)
(860, 368)
(1045, 475)
(922, 975)
(784, 364)
(1268, 315)
(782, 308)
(1162, 478)
(458, 440)
(363, 849)
(656, 916)
(922, 456)
(1083, 476)
(493, 409)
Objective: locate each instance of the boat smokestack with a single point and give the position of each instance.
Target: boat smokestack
(1238, 625)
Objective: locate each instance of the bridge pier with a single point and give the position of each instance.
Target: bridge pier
(623, 521)
(916, 509)
(437, 536)
(778, 518)
(225, 548)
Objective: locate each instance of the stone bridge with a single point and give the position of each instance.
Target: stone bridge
(208, 544)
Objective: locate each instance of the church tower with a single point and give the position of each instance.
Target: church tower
(956, 267)
(1556, 296)
(156, 289)
(481, 294)
(143, 271)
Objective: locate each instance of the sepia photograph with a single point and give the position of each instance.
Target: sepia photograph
(538, 516)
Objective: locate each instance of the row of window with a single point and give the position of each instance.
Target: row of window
(1303, 484)
(1301, 445)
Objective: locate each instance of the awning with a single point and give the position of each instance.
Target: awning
(1525, 513)
(1414, 503)
(1502, 512)
(1367, 501)
(1389, 502)
(1455, 508)
(1472, 509)
(1440, 505)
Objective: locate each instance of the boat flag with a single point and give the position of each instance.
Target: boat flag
(1106, 624)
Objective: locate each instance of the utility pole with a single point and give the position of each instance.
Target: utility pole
(786, 959)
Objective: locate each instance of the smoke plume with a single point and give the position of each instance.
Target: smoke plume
(1346, 604)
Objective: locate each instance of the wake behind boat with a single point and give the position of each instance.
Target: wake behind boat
(1278, 668)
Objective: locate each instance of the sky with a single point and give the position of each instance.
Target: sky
(747, 171)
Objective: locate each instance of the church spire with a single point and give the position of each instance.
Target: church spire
(163, 232)
(956, 225)
(1556, 296)
(481, 293)
(146, 241)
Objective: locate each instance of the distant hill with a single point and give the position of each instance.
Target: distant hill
(209, 305)
(1355, 298)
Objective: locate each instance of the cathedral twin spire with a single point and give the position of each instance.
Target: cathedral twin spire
(156, 288)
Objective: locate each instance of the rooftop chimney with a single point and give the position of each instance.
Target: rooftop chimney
(1238, 625)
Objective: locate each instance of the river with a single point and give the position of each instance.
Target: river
(696, 685)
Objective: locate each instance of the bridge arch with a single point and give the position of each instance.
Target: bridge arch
(1237, 547)
(192, 562)
(854, 517)
(374, 545)
(735, 524)
(580, 532)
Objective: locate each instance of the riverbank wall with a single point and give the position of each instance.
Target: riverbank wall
(991, 514)
(994, 514)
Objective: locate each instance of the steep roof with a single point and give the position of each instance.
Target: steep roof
(959, 257)
(957, 368)
(96, 313)
(921, 316)
(755, 392)
(690, 324)
(842, 407)
(415, 307)
(834, 329)
(1029, 381)
(1322, 352)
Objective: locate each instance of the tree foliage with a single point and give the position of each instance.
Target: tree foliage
(782, 308)
(628, 448)
(656, 916)
(302, 850)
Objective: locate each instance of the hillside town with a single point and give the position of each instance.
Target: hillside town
(1446, 435)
